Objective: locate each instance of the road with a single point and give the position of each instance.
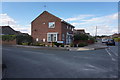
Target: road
(37, 63)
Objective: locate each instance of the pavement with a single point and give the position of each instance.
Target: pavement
(95, 46)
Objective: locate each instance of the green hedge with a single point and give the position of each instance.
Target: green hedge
(58, 44)
(21, 39)
(38, 44)
(81, 37)
(117, 39)
(82, 44)
(8, 37)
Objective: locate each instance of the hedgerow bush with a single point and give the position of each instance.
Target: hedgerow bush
(8, 37)
(24, 39)
(82, 44)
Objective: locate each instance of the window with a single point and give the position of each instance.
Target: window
(63, 36)
(52, 37)
(43, 39)
(67, 27)
(51, 25)
(37, 39)
(72, 29)
(49, 37)
(43, 23)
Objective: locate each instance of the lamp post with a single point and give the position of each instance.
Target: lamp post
(96, 33)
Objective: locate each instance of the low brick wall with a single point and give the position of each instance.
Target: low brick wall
(13, 42)
(84, 41)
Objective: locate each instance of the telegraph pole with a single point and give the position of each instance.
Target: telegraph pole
(96, 33)
(8, 23)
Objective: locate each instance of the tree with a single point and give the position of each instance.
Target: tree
(23, 39)
(80, 37)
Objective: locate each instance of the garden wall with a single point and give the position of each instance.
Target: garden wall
(84, 41)
(13, 42)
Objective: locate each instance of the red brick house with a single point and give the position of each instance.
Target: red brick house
(47, 28)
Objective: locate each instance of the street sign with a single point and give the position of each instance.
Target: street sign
(59, 41)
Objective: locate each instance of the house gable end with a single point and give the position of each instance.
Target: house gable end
(45, 14)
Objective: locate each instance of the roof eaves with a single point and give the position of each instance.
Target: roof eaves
(67, 23)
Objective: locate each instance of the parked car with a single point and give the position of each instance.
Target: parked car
(111, 42)
(104, 40)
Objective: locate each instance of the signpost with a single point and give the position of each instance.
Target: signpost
(60, 42)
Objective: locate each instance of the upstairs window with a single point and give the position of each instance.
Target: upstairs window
(51, 25)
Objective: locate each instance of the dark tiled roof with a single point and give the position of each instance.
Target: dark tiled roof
(7, 30)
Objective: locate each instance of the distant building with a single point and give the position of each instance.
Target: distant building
(116, 35)
(79, 31)
(7, 30)
(48, 28)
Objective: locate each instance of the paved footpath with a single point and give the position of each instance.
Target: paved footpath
(95, 46)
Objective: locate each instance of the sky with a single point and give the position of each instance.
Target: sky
(83, 15)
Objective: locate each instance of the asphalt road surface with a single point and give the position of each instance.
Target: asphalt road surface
(36, 63)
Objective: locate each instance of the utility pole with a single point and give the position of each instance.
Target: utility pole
(8, 23)
(96, 33)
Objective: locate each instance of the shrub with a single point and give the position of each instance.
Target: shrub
(82, 44)
(23, 39)
(57, 44)
(62, 45)
(41, 44)
(38, 44)
(48, 45)
(117, 39)
(71, 45)
(92, 39)
(24, 43)
(80, 37)
(75, 45)
(8, 37)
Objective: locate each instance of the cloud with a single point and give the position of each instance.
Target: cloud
(77, 18)
(7, 20)
(107, 25)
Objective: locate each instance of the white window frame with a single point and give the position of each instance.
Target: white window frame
(67, 27)
(51, 25)
(72, 29)
(52, 33)
(37, 39)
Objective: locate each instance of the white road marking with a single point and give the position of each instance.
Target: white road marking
(113, 52)
(110, 55)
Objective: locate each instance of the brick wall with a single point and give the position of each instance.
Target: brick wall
(9, 42)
